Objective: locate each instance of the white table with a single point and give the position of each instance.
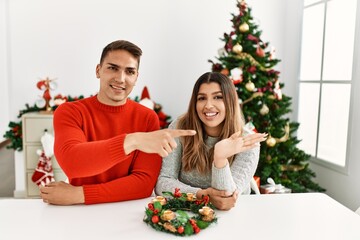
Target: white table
(270, 216)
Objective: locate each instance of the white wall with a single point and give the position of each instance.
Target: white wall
(64, 40)
(4, 79)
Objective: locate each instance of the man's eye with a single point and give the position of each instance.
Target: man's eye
(112, 68)
(131, 72)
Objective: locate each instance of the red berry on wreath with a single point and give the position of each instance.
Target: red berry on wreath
(196, 229)
(177, 193)
(151, 206)
(155, 219)
(180, 229)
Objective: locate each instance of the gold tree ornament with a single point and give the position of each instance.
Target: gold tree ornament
(244, 27)
(250, 86)
(271, 142)
(264, 109)
(237, 48)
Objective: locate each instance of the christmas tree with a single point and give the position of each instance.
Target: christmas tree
(249, 62)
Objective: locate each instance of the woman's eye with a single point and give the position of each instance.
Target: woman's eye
(200, 98)
(218, 97)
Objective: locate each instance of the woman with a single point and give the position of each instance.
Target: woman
(221, 158)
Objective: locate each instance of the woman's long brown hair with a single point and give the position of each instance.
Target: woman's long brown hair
(196, 154)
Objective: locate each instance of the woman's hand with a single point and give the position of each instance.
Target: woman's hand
(222, 200)
(235, 144)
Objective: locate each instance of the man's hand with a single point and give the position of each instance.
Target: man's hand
(61, 193)
(161, 142)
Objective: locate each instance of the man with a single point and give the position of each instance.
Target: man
(109, 146)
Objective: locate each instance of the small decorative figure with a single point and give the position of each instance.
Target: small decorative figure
(46, 101)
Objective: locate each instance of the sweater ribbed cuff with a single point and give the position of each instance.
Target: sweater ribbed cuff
(91, 194)
(116, 148)
(222, 178)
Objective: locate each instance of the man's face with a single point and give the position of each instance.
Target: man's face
(118, 74)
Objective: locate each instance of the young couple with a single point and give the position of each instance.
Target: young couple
(111, 148)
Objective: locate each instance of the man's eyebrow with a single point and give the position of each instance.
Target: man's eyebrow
(113, 65)
(117, 66)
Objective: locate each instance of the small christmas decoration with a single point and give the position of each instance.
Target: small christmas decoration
(145, 99)
(271, 142)
(147, 102)
(264, 109)
(236, 75)
(271, 187)
(222, 52)
(237, 48)
(225, 71)
(45, 102)
(259, 51)
(250, 86)
(272, 55)
(43, 173)
(277, 90)
(244, 27)
(167, 213)
(250, 128)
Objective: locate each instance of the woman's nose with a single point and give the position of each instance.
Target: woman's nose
(208, 104)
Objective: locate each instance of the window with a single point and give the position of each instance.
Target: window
(326, 69)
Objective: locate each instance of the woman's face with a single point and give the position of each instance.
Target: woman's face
(210, 108)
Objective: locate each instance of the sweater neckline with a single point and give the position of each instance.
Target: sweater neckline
(109, 108)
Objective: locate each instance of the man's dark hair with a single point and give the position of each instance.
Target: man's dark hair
(122, 45)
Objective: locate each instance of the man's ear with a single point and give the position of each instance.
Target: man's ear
(97, 71)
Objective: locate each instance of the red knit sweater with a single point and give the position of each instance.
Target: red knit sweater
(89, 138)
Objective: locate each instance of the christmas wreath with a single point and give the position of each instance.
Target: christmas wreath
(168, 213)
